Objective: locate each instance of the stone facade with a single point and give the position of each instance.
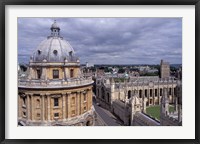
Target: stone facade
(55, 91)
(128, 100)
(149, 89)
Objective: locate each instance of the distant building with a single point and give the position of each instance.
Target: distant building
(128, 100)
(164, 69)
(55, 91)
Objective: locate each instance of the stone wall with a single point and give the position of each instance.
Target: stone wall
(39, 106)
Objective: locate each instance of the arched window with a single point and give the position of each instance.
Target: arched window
(140, 93)
(71, 73)
(129, 94)
(151, 93)
(170, 91)
(160, 92)
(145, 92)
(156, 92)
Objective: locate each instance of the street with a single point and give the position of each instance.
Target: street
(105, 117)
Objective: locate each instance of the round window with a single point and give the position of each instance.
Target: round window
(55, 52)
(39, 52)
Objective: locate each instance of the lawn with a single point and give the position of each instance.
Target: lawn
(154, 111)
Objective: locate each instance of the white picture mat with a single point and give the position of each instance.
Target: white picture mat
(187, 131)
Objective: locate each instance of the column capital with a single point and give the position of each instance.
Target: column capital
(78, 92)
(63, 94)
(30, 94)
(47, 94)
(42, 94)
(69, 93)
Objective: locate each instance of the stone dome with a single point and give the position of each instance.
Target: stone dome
(55, 26)
(54, 49)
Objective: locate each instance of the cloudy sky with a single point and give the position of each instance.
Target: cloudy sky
(108, 40)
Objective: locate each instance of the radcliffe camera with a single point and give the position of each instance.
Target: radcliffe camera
(99, 72)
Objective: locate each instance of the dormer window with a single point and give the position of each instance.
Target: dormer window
(70, 53)
(39, 52)
(55, 52)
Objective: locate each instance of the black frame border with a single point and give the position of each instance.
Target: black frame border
(4, 3)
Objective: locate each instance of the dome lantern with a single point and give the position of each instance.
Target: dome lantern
(55, 29)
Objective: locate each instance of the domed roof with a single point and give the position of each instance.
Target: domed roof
(54, 49)
(55, 25)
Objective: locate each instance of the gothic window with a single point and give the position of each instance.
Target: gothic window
(55, 74)
(71, 73)
(140, 93)
(56, 102)
(156, 92)
(151, 94)
(174, 91)
(129, 94)
(145, 92)
(170, 91)
(160, 92)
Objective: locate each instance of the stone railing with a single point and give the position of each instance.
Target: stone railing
(54, 83)
(146, 83)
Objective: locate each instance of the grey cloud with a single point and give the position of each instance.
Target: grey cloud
(109, 40)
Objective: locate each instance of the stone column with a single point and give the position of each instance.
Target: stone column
(77, 102)
(148, 96)
(68, 105)
(48, 107)
(19, 107)
(90, 98)
(43, 107)
(80, 108)
(88, 94)
(173, 94)
(158, 92)
(63, 105)
(28, 109)
(32, 108)
(153, 95)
